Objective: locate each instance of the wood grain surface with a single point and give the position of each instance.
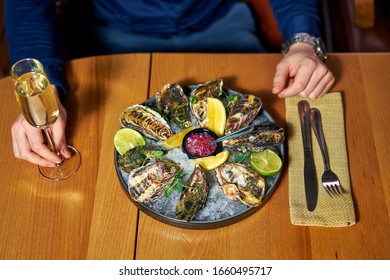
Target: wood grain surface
(89, 216)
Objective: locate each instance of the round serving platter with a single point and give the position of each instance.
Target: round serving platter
(218, 210)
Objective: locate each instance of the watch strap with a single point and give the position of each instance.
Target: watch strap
(315, 42)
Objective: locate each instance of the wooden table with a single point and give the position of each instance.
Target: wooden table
(89, 216)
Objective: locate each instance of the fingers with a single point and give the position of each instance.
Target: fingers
(281, 78)
(28, 144)
(58, 129)
(60, 140)
(300, 81)
(38, 146)
(318, 86)
(302, 73)
(309, 81)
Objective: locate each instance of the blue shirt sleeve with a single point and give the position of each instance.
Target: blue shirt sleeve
(295, 16)
(32, 31)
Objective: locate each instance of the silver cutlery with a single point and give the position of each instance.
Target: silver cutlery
(330, 181)
(311, 187)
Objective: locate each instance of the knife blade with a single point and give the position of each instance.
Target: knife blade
(310, 178)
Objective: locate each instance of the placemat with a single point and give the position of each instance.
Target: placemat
(330, 212)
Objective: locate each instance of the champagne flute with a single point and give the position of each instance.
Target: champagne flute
(37, 100)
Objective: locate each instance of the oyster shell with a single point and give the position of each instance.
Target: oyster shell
(194, 196)
(147, 121)
(199, 99)
(242, 112)
(136, 158)
(240, 182)
(174, 103)
(261, 138)
(149, 182)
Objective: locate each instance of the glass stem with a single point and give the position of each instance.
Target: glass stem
(50, 142)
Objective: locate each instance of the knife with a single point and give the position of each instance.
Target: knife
(311, 189)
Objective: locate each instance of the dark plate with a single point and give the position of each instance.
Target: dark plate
(219, 210)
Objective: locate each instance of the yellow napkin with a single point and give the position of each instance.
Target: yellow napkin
(330, 212)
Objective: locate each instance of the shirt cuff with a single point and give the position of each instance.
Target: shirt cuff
(300, 24)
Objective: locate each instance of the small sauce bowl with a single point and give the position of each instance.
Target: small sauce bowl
(198, 143)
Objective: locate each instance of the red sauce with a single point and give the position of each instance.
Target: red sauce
(199, 144)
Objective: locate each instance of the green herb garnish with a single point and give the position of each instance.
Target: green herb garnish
(175, 184)
(158, 153)
(230, 98)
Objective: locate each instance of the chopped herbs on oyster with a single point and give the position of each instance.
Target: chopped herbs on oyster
(147, 121)
(193, 196)
(172, 101)
(137, 157)
(148, 183)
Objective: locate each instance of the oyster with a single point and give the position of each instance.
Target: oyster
(147, 121)
(199, 99)
(242, 112)
(240, 182)
(149, 182)
(137, 157)
(174, 103)
(194, 196)
(261, 138)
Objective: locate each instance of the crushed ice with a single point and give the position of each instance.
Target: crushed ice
(217, 206)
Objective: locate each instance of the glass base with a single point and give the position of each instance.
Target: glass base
(65, 169)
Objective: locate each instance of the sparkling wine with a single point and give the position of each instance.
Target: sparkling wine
(39, 105)
(35, 96)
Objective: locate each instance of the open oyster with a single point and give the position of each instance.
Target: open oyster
(147, 121)
(137, 157)
(199, 99)
(149, 182)
(239, 181)
(261, 138)
(193, 196)
(174, 103)
(242, 112)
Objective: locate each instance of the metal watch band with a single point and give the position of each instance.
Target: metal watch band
(316, 43)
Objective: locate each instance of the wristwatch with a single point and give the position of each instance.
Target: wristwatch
(316, 43)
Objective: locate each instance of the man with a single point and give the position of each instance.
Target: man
(119, 26)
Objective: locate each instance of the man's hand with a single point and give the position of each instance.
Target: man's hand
(302, 73)
(28, 141)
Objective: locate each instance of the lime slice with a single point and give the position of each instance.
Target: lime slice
(267, 162)
(126, 139)
(216, 114)
(175, 140)
(212, 162)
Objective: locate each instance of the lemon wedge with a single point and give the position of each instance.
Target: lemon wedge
(175, 140)
(213, 162)
(267, 162)
(126, 139)
(216, 114)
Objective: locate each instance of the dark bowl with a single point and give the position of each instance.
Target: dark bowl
(199, 131)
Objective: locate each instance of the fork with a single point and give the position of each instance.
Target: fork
(330, 181)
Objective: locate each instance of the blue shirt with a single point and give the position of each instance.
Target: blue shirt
(32, 30)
